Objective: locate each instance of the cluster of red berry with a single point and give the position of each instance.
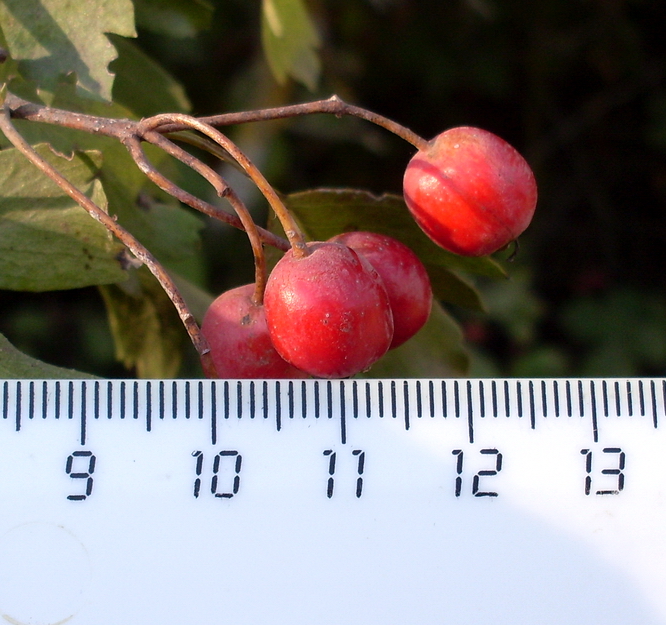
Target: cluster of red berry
(333, 308)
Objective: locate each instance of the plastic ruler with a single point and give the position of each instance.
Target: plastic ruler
(387, 502)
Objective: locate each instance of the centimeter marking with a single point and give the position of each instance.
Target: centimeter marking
(279, 399)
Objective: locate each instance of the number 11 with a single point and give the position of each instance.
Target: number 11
(360, 466)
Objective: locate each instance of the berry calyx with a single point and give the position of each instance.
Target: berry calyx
(404, 276)
(470, 191)
(240, 346)
(328, 312)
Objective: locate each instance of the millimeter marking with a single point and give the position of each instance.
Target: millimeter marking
(593, 399)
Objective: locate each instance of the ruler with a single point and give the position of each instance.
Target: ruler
(466, 502)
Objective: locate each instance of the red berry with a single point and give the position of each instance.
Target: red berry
(240, 345)
(470, 191)
(404, 276)
(328, 312)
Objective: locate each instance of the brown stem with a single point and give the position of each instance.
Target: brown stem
(223, 190)
(291, 229)
(23, 109)
(197, 338)
(120, 128)
(124, 130)
(332, 106)
(133, 145)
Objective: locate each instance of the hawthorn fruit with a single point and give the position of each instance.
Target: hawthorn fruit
(405, 279)
(470, 191)
(328, 311)
(236, 331)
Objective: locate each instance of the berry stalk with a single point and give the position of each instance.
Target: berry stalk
(223, 190)
(291, 228)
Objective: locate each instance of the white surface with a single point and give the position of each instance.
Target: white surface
(141, 549)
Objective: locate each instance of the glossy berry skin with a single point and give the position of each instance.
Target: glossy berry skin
(236, 330)
(328, 313)
(470, 191)
(404, 276)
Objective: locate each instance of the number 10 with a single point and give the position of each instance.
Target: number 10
(229, 457)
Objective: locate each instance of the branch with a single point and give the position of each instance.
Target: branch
(223, 190)
(125, 131)
(198, 340)
(22, 109)
(18, 108)
(332, 106)
(291, 229)
(133, 145)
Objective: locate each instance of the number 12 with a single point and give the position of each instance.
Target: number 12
(476, 480)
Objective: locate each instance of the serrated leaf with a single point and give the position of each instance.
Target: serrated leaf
(435, 352)
(52, 37)
(174, 18)
(290, 41)
(142, 85)
(147, 331)
(14, 364)
(323, 213)
(47, 241)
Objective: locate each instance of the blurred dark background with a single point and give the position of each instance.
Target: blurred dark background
(576, 85)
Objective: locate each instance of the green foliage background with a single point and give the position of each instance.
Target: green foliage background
(576, 86)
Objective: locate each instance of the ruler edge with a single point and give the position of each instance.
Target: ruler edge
(400, 398)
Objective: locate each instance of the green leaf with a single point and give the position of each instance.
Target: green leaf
(52, 37)
(326, 212)
(447, 286)
(47, 241)
(14, 364)
(435, 352)
(170, 232)
(117, 161)
(173, 18)
(8, 68)
(147, 331)
(142, 85)
(323, 213)
(290, 41)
